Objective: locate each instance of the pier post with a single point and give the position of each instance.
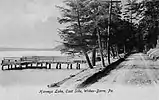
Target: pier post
(68, 66)
(2, 67)
(46, 64)
(8, 66)
(50, 66)
(20, 65)
(57, 65)
(37, 64)
(2, 63)
(60, 66)
(26, 65)
(76, 65)
(71, 66)
(79, 66)
(31, 65)
(14, 66)
(11, 66)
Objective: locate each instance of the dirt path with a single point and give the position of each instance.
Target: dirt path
(135, 70)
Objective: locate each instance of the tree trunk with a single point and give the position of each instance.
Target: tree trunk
(87, 59)
(157, 43)
(113, 52)
(109, 28)
(124, 49)
(153, 46)
(117, 51)
(94, 57)
(108, 53)
(100, 48)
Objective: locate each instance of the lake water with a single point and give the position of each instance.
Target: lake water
(29, 53)
(34, 76)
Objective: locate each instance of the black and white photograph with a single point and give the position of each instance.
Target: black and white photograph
(79, 49)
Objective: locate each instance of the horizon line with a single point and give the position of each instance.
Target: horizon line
(25, 49)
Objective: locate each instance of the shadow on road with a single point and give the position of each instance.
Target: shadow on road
(95, 77)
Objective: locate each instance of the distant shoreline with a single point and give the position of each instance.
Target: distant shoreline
(27, 49)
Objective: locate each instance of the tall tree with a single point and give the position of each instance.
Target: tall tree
(129, 14)
(98, 11)
(75, 36)
(148, 24)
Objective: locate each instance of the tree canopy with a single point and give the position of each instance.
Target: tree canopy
(88, 29)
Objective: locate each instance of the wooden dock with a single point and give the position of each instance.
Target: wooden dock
(40, 62)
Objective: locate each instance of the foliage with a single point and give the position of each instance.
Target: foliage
(148, 24)
(135, 26)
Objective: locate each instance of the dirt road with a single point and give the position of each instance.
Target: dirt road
(136, 78)
(137, 70)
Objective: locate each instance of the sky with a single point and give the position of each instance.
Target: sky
(29, 23)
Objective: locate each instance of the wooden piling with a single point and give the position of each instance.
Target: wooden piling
(8, 66)
(46, 64)
(57, 65)
(31, 65)
(37, 64)
(11, 66)
(2, 67)
(68, 66)
(79, 66)
(76, 65)
(20, 66)
(50, 66)
(60, 66)
(26, 65)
